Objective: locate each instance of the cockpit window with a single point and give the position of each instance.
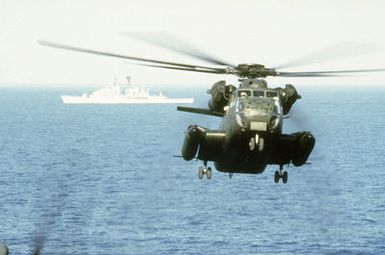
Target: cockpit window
(271, 94)
(244, 93)
(258, 93)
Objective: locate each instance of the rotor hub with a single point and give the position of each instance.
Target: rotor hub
(254, 71)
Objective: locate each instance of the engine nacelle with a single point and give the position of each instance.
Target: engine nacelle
(288, 97)
(209, 142)
(192, 139)
(220, 95)
(305, 144)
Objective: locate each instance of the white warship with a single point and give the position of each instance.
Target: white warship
(124, 94)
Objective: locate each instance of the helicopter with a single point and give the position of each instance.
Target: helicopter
(250, 136)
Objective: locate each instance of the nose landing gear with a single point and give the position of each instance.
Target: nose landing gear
(256, 141)
(279, 174)
(204, 170)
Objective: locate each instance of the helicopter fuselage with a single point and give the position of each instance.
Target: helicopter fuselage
(250, 136)
(252, 121)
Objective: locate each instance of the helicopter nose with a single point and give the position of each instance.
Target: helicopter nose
(263, 122)
(259, 122)
(253, 119)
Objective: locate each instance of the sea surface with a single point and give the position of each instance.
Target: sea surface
(102, 179)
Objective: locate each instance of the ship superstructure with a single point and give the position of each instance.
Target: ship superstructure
(124, 94)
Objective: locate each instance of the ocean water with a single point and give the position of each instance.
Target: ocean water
(102, 179)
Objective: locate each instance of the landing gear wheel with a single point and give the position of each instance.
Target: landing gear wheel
(279, 174)
(252, 144)
(209, 173)
(201, 172)
(276, 177)
(284, 177)
(261, 144)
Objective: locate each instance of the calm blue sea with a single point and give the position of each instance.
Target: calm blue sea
(102, 179)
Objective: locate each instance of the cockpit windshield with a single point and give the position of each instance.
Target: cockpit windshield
(271, 94)
(262, 105)
(259, 93)
(244, 93)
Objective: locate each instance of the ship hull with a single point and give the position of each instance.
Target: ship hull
(122, 100)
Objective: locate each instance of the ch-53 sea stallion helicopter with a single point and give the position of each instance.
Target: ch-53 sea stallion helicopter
(250, 136)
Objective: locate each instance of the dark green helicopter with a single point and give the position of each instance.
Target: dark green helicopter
(250, 136)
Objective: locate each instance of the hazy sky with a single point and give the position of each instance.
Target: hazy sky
(266, 32)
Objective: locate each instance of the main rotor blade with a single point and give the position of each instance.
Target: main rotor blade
(218, 71)
(171, 42)
(109, 54)
(328, 73)
(304, 74)
(338, 51)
